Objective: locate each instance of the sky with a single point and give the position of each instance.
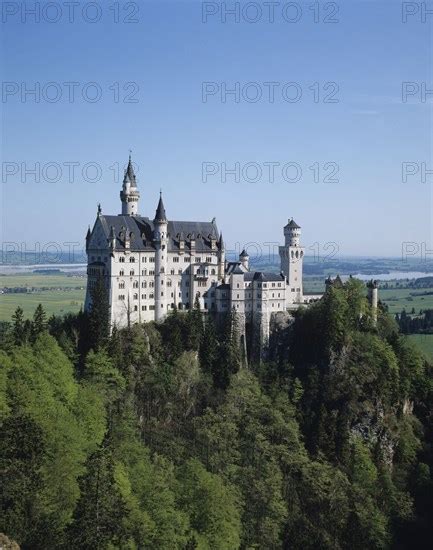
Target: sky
(252, 118)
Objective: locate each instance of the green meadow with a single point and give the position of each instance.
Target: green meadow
(59, 294)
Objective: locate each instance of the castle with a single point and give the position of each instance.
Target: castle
(150, 267)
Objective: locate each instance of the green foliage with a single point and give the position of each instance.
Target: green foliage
(156, 436)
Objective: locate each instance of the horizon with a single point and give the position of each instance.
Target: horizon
(197, 131)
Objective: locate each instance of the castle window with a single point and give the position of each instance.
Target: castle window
(237, 285)
(135, 296)
(131, 272)
(151, 272)
(144, 259)
(180, 272)
(186, 259)
(143, 308)
(144, 284)
(293, 290)
(151, 284)
(122, 259)
(151, 296)
(209, 259)
(161, 270)
(135, 308)
(197, 260)
(238, 296)
(213, 272)
(144, 272)
(121, 273)
(171, 271)
(132, 260)
(279, 284)
(162, 294)
(122, 284)
(135, 284)
(143, 296)
(152, 259)
(152, 308)
(176, 259)
(121, 296)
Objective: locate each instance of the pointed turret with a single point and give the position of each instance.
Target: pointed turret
(221, 242)
(160, 215)
(129, 195)
(130, 174)
(244, 258)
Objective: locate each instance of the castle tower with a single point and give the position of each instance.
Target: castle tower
(244, 259)
(221, 258)
(292, 257)
(160, 240)
(129, 195)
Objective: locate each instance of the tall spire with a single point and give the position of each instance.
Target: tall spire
(129, 195)
(160, 215)
(221, 242)
(130, 174)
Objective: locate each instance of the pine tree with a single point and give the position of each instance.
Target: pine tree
(19, 327)
(39, 324)
(100, 510)
(195, 326)
(208, 352)
(99, 316)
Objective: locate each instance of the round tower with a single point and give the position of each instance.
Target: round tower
(160, 241)
(129, 195)
(292, 233)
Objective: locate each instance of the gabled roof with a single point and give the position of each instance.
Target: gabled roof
(263, 276)
(141, 230)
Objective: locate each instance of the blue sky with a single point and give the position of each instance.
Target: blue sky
(167, 55)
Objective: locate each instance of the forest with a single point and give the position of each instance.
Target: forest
(159, 436)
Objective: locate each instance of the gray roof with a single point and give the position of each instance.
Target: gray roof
(293, 225)
(140, 230)
(160, 211)
(263, 276)
(129, 174)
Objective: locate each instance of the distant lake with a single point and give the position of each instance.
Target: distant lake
(17, 269)
(392, 275)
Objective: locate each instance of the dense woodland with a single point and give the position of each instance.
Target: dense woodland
(159, 437)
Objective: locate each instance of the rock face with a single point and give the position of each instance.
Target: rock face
(7, 544)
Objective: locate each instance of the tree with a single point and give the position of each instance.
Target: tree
(19, 331)
(100, 511)
(212, 507)
(39, 324)
(99, 315)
